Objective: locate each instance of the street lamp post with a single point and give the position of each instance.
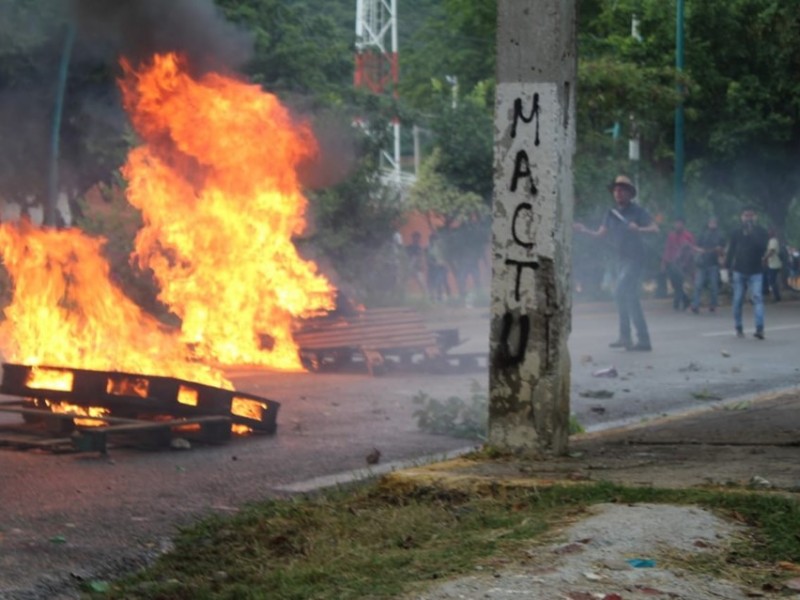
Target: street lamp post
(679, 155)
(51, 202)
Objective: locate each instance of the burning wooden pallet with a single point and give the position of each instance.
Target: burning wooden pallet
(86, 407)
(377, 338)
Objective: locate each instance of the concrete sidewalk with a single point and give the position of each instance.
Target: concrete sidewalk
(734, 443)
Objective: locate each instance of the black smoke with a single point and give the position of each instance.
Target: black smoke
(137, 29)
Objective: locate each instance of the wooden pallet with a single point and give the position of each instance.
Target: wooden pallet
(374, 337)
(58, 432)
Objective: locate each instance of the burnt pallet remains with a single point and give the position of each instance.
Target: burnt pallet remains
(88, 407)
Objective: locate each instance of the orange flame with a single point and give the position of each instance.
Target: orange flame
(66, 312)
(217, 186)
(215, 179)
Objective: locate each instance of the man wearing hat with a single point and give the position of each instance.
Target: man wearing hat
(624, 224)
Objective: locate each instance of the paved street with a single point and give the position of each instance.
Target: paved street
(67, 517)
(696, 358)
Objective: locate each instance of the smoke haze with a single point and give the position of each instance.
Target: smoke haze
(137, 29)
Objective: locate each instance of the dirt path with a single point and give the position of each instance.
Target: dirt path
(617, 553)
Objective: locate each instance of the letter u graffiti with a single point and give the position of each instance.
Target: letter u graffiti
(505, 356)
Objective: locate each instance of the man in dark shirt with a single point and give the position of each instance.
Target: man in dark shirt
(624, 225)
(710, 245)
(745, 260)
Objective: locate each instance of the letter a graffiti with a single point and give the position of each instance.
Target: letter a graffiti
(522, 169)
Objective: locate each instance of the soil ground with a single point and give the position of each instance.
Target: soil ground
(754, 445)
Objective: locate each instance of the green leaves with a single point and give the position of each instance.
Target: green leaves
(455, 416)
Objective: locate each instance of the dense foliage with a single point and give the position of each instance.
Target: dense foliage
(741, 96)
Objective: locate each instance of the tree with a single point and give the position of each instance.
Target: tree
(458, 39)
(744, 56)
(741, 93)
(435, 196)
(288, 57)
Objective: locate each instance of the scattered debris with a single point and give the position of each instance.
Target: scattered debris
(743, 405)
(607, 372)
(641, 563)
(180, 444)
(792, 584)
(596, 394)
(98, 587)
(759, 483)
(374, 457)
(598, 409)
(570, 548)
(705, 395)
(725, 353)
(692, 367)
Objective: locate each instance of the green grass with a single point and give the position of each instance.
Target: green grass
(373, 542)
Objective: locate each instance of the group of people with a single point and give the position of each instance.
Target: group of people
(451, 256)
(751, 255)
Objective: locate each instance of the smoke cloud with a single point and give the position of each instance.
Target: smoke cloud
(137, 29)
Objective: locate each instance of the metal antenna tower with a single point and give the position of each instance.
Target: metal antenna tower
(376, 66)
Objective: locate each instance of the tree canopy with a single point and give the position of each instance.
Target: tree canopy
(740, 93)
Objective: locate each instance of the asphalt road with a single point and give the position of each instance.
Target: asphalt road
(68, 518)
(697, 360)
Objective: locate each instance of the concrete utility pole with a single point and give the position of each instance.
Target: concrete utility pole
(529, 375)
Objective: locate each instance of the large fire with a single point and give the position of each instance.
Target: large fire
(215, 180)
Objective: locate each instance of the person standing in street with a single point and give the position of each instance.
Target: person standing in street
(677, 249)
(773, 266)
(710, 245)
(624, 225)
(744, 259)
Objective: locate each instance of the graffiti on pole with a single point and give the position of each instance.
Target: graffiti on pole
(524, 226)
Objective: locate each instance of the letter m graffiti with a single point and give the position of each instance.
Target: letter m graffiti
(519, 115)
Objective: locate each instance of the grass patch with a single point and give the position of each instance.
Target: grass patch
(455, 416)
(372, 542)
(463, 418)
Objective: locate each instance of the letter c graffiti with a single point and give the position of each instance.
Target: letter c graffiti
(520, 207)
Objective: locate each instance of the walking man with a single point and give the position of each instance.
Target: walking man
(710, 245)
(745, 259)
(624, 224)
